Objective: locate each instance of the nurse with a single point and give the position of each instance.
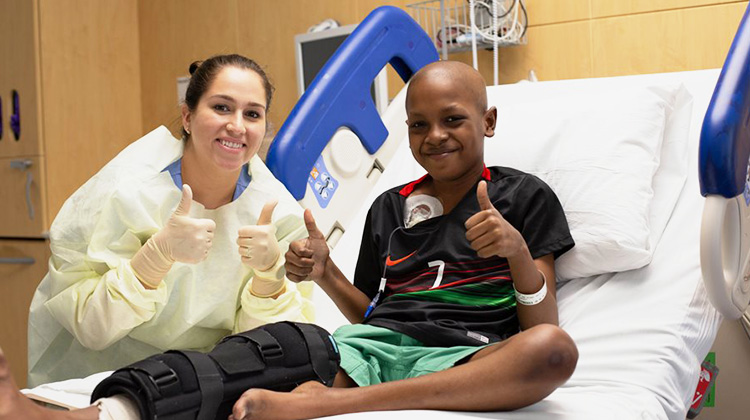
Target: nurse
(174, 243)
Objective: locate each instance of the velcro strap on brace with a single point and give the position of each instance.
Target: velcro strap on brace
(267, 345)
(324, 368)
(210, 383)
(179, 385)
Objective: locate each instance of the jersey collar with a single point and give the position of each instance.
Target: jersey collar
(409, 188)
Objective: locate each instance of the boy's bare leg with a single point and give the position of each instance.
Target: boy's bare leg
(509, 375)
(14, 405)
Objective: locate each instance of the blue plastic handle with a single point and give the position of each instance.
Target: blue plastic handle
(725, 135)
(340, 94)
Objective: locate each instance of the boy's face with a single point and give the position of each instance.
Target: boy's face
(447, 127)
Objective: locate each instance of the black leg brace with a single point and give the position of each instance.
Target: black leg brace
(182, 385)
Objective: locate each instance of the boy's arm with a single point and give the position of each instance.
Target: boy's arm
(490, 234)
(309, 259)
(528, 276)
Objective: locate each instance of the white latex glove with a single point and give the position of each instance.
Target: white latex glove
(259, 249)
(182, 239)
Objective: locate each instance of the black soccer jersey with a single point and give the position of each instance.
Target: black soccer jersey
(438, 290)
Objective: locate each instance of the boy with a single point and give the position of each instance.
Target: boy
(441, 331)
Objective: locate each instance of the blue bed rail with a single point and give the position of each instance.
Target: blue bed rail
(340, 94)
(725, 135)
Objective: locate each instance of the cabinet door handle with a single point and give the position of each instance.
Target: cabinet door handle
(21, 260)
(24, 165)
(1, 117)
(15, 118)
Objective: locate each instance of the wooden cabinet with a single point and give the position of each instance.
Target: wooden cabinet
(75, 68)
(22, 264)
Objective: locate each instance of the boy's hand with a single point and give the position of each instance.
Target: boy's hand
(306, 258)
(489, 233)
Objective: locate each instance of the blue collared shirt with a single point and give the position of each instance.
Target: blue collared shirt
(175, 170)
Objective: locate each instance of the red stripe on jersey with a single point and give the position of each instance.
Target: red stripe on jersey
(431, 271)
(396, 290)
(423, 271)
(409, 188)
(424, 280)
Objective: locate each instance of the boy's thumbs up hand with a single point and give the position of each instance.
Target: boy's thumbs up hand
(483, 198)
(257, 244)
(314, 234)
(307, 258)
(488, 232)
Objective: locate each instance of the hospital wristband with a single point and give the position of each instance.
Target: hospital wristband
(535, 298)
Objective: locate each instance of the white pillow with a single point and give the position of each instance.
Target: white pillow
(599, 152)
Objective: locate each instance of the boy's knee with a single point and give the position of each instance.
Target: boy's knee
(557, 353)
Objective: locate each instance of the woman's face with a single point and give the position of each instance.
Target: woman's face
(229, 122)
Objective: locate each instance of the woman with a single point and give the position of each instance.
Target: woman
(173, 244)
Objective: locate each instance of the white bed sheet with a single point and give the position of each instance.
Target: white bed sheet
(641, 334)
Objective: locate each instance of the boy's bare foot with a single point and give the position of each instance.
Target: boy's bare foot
(14, 405)
(307, 401)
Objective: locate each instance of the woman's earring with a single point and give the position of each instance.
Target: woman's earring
(187, 130)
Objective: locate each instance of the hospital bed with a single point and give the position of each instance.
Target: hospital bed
(631, 293)
(641, 333)
(623, 156)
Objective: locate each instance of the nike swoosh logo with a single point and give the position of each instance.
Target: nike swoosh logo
(390, 263)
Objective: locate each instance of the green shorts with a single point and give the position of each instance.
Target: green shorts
(371, 355)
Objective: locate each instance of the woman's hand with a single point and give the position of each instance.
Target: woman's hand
(257, 244)
(260, 251)
(183, 238)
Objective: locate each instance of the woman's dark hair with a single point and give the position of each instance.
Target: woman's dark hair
(202, 73)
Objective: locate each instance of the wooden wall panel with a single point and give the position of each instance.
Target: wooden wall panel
(665, 41)
(269, 34)
(545, 12)
(604, 8)
(90, 78)
(554, 52)
(173, 34)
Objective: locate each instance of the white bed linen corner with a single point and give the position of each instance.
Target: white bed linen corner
(641, 333)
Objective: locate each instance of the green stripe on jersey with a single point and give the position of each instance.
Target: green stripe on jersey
(468, 294)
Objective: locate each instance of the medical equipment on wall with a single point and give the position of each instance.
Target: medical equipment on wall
(725, 182)
(463, 25)
(335, 134)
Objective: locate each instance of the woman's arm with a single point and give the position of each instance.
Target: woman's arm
(99, 309)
